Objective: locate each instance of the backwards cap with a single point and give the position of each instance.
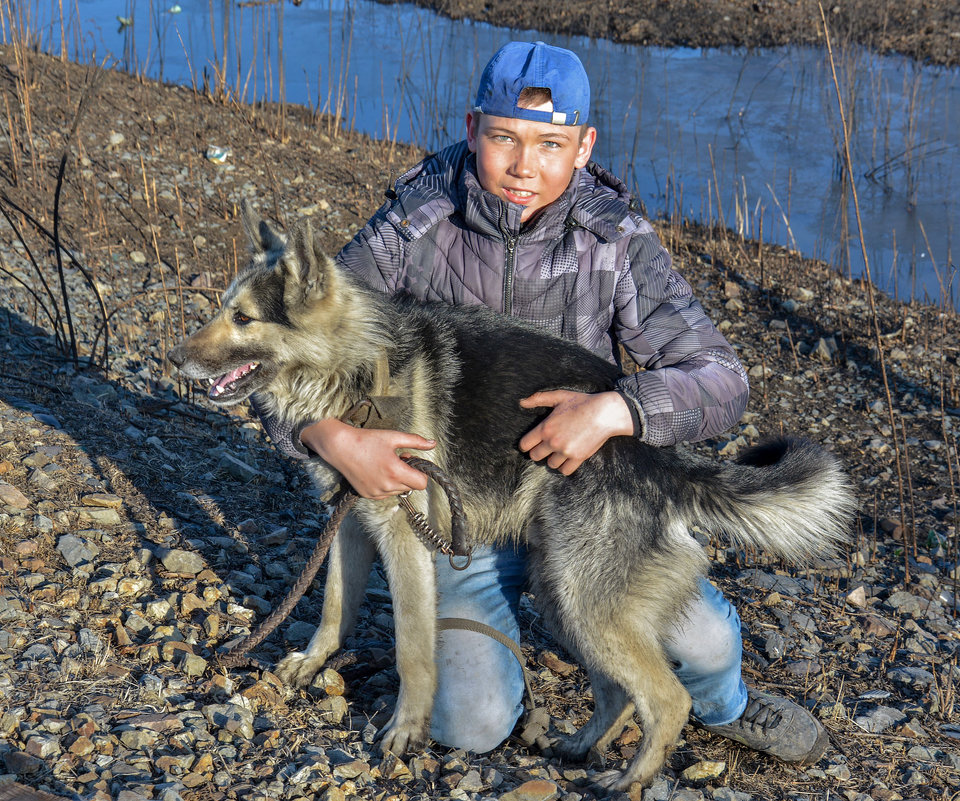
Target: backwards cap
(520, 65)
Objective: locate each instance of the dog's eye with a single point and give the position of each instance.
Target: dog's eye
(241, 319)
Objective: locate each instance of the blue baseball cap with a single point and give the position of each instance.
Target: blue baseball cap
(520, 65)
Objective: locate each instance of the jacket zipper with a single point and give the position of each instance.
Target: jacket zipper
(508, 275)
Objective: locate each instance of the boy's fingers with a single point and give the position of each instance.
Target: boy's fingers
(548, 398)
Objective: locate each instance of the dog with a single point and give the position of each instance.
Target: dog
(612, 561)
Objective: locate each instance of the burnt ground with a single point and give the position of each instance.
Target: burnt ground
(106, 469)
(928, 30)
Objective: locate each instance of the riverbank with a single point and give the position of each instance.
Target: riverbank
(927, 30)
(141, 528)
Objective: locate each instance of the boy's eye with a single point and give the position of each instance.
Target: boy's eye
(241, 319)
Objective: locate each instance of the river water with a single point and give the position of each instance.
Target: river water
(755, 135)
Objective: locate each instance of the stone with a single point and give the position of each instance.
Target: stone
(98, 516)
(237, 468)
(177, 560)
(75, 550)
(704, 771)
(879, 719)
(12, 497)
(102, 499)
(232, 718)
(858, 598)
(533, 790)
(21, 763)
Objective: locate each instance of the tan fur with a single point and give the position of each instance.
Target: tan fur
(330, 350)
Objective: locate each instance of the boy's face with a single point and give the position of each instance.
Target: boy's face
(527, 163)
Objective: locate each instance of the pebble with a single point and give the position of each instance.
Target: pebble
(533, 790)
(12, 497)
(879, 719)
(177, 560)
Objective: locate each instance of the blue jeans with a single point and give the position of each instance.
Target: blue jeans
(480, 683)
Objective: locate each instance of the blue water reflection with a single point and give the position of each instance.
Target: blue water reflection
(755, 135)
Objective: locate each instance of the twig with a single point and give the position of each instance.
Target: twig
(869, 286)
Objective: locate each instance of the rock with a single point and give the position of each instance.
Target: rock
(21, 763)
(533, 790)
(12, 497)
(177, 560)
(102, 499)
(231, 718)
(98, 516)
(554, 663)
(879, 719)
(857, 598)
(704, 771)
(729, 794)
(238, 468)
(75, 550)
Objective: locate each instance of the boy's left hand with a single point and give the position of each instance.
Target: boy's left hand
(576, 428)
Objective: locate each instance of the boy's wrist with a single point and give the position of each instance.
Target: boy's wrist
(634, 413)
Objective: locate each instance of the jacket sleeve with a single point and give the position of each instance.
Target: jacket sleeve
(691, 385)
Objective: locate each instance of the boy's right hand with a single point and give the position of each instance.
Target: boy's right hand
(367, 458)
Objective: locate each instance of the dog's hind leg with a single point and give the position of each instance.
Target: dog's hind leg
(612, 710)
(348, 567)
(633, 658)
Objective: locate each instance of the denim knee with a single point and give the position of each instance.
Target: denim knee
(479, 694)
(707, 650)
(480, 687)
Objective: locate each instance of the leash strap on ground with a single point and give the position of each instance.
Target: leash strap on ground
(464, 624)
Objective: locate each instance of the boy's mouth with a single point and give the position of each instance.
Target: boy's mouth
(521, 196)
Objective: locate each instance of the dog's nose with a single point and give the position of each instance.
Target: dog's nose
(176, 356)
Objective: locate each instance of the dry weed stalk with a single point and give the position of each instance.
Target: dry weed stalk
(874, 317)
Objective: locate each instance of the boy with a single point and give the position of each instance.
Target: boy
(517, 217)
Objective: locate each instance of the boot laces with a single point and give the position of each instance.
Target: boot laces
(761, 715)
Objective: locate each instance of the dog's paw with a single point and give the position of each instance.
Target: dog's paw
(613, 780)
(298, 669)
(576, 748)
(401, 738)
(620, 780)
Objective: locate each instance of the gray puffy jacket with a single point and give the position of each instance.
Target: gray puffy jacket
(589, 269)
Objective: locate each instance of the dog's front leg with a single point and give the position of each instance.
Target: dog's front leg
(348, 568)
(410, 572)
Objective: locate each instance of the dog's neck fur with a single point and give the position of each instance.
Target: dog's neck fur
(315, 385)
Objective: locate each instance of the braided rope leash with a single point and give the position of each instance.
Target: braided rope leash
(237, 655)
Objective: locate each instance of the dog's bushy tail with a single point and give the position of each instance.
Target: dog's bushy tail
(786, 497)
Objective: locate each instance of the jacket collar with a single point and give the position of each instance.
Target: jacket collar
(446, 183)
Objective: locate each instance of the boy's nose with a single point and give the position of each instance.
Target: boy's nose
(526, 163)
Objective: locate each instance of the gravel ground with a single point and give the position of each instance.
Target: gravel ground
(140, 529)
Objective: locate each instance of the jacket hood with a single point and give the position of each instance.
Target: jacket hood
(446, 183)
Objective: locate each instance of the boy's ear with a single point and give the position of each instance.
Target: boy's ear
(585, 148)
(308, 271)
(473, 124)
(263, 238)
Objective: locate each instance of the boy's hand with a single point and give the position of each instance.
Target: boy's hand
(367, 458)
(576, 428)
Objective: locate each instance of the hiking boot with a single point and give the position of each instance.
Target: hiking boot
(776, 726)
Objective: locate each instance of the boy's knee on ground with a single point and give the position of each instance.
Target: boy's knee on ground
(707, 639)
(479, 692)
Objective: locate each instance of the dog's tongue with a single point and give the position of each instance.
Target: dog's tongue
(227, 379)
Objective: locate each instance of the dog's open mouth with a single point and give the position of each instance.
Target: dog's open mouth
(228, 385)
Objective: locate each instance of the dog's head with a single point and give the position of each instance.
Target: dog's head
(257, 333)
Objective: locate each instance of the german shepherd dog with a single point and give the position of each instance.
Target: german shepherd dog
(611, 558)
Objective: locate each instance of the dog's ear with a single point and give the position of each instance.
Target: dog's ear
(263, 238)
(307, 269)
